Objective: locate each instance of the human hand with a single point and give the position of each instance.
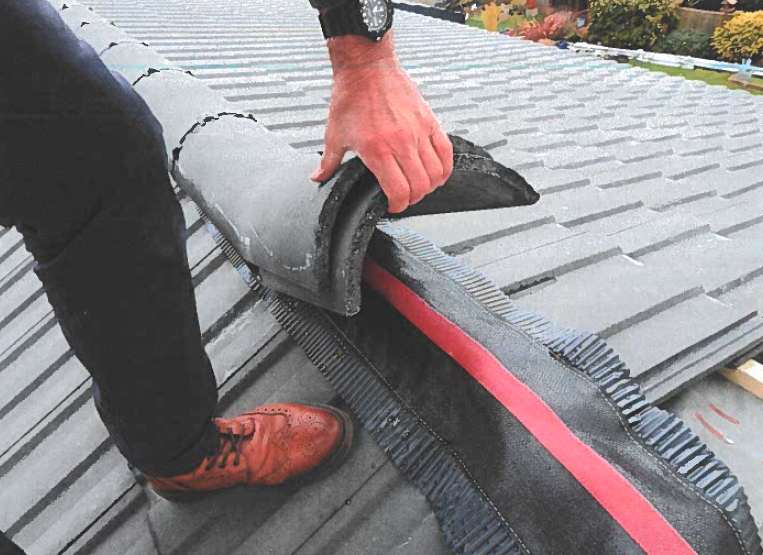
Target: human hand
(377, 112)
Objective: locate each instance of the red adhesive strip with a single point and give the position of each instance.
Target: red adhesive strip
(615, 494)
(722, 414)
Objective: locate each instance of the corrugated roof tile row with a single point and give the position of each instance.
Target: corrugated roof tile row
(651, 217)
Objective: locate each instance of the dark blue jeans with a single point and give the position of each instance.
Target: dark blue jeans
(83, 177)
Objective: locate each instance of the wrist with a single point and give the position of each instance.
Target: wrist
(354, 52)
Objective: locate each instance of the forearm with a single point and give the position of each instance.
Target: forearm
(354, 52)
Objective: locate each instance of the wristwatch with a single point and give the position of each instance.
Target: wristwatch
(367, 18)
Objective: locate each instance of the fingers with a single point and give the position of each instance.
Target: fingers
(444, 149)
(409, 164)
(419, 181)
(432, 163)
(391, 179)
(332, 157)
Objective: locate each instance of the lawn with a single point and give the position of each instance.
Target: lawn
(708, 76)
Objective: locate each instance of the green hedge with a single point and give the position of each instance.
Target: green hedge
(631, 24)
(687, 43)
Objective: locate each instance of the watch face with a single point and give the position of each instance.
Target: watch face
(374, 14)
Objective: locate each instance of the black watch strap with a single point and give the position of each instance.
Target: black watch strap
(340, 20)
(346, 19)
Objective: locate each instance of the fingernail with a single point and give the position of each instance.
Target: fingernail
(315, 174)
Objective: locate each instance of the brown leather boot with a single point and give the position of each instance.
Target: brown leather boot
(266, 446)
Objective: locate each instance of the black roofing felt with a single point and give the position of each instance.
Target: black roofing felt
(651, 211)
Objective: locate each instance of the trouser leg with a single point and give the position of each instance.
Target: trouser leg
(83, 177)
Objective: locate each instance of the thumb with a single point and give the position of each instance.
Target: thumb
(329, 163)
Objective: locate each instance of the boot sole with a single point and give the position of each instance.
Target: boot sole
(332, 461)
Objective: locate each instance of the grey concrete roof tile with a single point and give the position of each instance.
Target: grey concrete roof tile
(19, 295)
(610, 296)
(743, 144)
(122, 528)
(546, 180)
(619, 221)
(82, 503)
(23, 322)
(459, 231)
(696, 147)
(599, 138)
(747, 159)
(707, 132)
(14, 260)
(364, 516)
(735, 218)
(744, 129)
(199, 245)
(661, 194)
(538, 142)
(625, 175)
(680, 168)
(729, 184)
(648, 345)
(217, 293)
(749, 294)
(30, 407)
(701, 206)
(620, 122)
(469, 115)
(283, 119)
(656, 232)
(718, 263)
(633, 153)
(265, 94)
(21, 366)
(520, 242)
(314, 134)
(9, 239)
(569, 124)
(578, 206)
(654, 135)
(520, 271)
(518, 160)
(45, 477)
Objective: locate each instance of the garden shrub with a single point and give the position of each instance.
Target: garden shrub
(556, 26)
(631, 23)
(740, 38)
(687, 43)
(490, 13)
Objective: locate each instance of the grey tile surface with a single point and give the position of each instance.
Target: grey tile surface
(649, 231)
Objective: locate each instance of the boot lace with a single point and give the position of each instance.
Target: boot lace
(230, 442)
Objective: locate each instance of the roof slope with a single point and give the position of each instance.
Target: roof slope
(652, 186)
(636, 169)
